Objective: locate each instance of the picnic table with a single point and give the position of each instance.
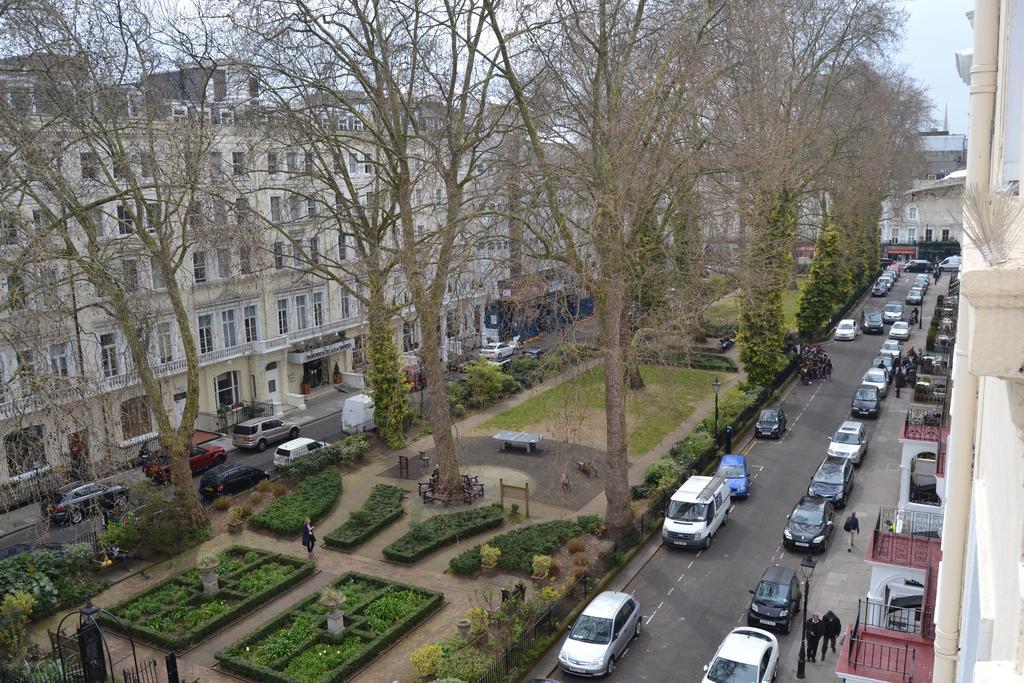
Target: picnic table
(519, 439)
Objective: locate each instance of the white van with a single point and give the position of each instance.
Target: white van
(290, 451)
(697, 509)
(357, 414)
(950, 263)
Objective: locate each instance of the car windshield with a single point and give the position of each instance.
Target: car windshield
(731, 471)
(875, 376)
(864, 394)
(687, 512)
(846, 324)
(890, 346)
(873, 317)
(245, 430)
(592, 630)
(727, 671)
(846, 437)
(768, 417)
(829, 475)
(772, 594)
(884, 360)
(807, 516)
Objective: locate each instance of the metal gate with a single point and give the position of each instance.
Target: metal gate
(148, 672)
(66, 649)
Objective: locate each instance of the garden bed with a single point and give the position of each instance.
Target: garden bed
(295, 646)
(176, 613)
(518, 546)
(441, 530)
(382, 507)
(313, 498)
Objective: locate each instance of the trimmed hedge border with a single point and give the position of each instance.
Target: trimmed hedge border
(375, 643)
(518, 546)
(169, 641)
(313, 497)
(382, 507)
(441, 530)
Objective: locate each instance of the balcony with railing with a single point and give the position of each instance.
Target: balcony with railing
(880, 654)
(907, 538)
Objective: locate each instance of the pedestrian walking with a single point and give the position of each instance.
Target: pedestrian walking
(831, 628)
(851, 527)
(938, 271)
(308, 537)
(828, 369)
(900, 381)
(814, 632)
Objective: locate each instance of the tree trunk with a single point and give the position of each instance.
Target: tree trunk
(177, 445)
(611, 306)
(437, 403)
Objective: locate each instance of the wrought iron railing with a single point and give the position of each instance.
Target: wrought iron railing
(916, 620)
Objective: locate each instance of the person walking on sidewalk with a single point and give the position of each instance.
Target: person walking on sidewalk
(308, 537)
(851, 527)
(830, 630)
(814, 632)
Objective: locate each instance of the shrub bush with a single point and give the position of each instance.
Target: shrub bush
(441, 530)
(313, 498)
(519, 546)
(464, 663)
(264, 486)
(526, 371)
(221, 503)
(489, 555)
(591, 524)
(158, 528)
(279, 489)
(576, 545)
(382, 507)
(15, 612)
(426, 659)
(351, 449)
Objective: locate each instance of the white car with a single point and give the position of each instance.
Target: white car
(900, 330)
(601, 634)
(877, 377)
(850, 441)
(750, 655)
(891, 347)
(846, 330)
(497, 350)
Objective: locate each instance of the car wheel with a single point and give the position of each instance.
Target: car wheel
(77, 516)
(611, 665)
(788, 626)
(261, 445)
(725, 520)
(639, 627)
(707, 541)
(293, 433)
(121, 501)
(220, 460)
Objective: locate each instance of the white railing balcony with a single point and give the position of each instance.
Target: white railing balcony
(273, 344)
(321, 330)
(227, 353)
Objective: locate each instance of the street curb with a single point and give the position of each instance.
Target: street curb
(5, 534)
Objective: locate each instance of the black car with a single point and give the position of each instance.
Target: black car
(867, 401)
(75, 501)
(776, 599)
(810, 525)
(872, 323)
(918, 266)
(227, 479)
(771, 424)
(833, 480)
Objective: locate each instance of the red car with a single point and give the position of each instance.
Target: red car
(201, 459)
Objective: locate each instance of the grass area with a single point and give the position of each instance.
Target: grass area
(728, 311)
(662, 405)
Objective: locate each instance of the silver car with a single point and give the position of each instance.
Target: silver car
(893, 312)
(262, 431)
(850, 441)
(877, 377)
(601, 634)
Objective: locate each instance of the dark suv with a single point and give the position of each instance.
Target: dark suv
(73, 502)
(809, 526)
(776, 599)
(227, 479)
(833, 480)
(872, 323)
(867, 401)
(771, 424)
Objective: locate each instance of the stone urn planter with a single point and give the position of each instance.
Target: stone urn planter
(333, 599)
(463, 626)
(236, 520)
(207, 567)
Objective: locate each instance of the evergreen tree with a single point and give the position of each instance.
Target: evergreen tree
(389, 389)
(828, 284)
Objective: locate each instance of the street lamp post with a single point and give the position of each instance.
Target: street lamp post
(717, 386)
(807, 568)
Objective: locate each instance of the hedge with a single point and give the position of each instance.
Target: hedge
(441, 530)
(363, 591)
(382, 507)
(53, 579)
(151, 615)
(518, 546)
(313, 498)
(350, 449)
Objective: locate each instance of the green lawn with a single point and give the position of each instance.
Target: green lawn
(662, 405)
(728, 311)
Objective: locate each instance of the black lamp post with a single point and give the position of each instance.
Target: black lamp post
(807, 568)
(717, 386)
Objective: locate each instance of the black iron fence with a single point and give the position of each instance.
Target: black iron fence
(221, 421)
(915, 619)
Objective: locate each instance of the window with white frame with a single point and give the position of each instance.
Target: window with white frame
(125, 221)
(238, 163)
(152, 216)
(927, 234)
(314, 249)
(912, 213)
(345, 313)
(8, 228)
(245, 259)
(164, 342)
(292, 161)
(251, 323)
(216, 165)
(294, 207)
(367, 164)
(275, 209)
(945, 234)
(223, 263)
(227, 319)
(309, 163)
(109, 364)
(199, 266)
(353, 162)
(130, 275)
(272, 166)
(226, 386)
(311, 207)
(90, 165)
(204, 327)
(342, 247)
(911, 234)
(279, 255)
(318, 309)
(282, 316)
(301, 312)
(156, 274)
(60, 360)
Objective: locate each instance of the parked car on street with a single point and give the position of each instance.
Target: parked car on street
(950, 263)
(833, 480)
(227, 479)
(893, 312)
(918, 266)
(895, 268)
(889, 278)
(846, 330)
(877, 378)
(867, 401)
(872, 323)
(533, 352)
(922, 281)
(771, 424)
(260, 432)
(497, 350)
(810, 525)
(200, 459)
(900, 331)
(291, 451)
(880, 288)
(74, 502)
(914, 297)
(886, 360)
(776, 599)
(601, 634)
(890, 347)
(746, 654)
(850, 441)
(736, 472)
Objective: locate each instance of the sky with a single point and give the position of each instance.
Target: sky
(935, 30)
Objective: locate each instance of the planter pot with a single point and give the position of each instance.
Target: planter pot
(336, 622)
(463, 626)
(488, 566)
(337, 378)
(235, 528)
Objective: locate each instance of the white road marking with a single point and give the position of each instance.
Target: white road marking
(671, 589)
(660, 605)
(689, 565)
(651, 617)
(680, 578)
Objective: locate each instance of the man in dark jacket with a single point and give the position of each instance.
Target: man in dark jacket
(831, 628)
(814, 632)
